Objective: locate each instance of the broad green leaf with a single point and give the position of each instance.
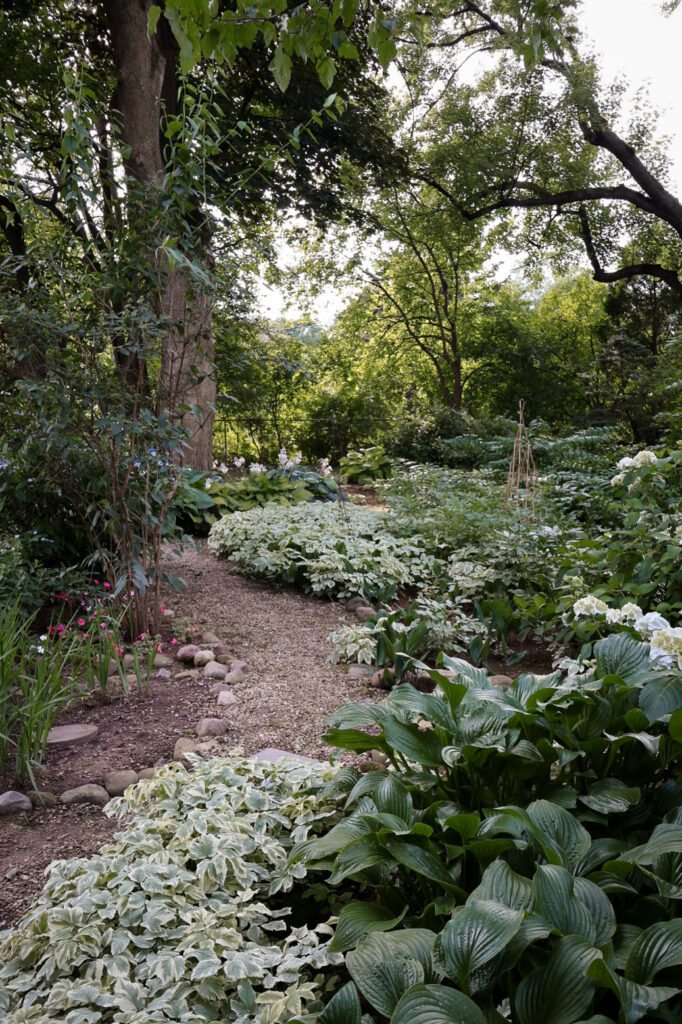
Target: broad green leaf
(611, 796)
(558, 991)
(664, 839)
(343, 1008)
(675, 725)
(502, 885)
(636, 1000)
(384, 966)
(390, 795)
(357, 920)
(422, 747)
(435, 1004)
(620, 655)
(657, 947)
(661, 697)
(558, 903)
(599, 906)
(421, 861)
(476, 934)
(555, 827)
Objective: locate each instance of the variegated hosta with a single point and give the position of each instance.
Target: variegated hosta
(522, 858)
(326, 549)
(185, 915)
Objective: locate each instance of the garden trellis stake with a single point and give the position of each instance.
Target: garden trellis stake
(522, 477)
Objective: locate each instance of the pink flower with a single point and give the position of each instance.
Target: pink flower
(97, 582)
(161, 608)
(174, 641)
(159, 649)
(102, 625)
(107, 586)
(81, 622)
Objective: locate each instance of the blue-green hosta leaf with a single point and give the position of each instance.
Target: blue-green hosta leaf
(343, 1008)
(656, 948)
(353, 739)
(600, 851)
(661, 697)
(422, 747)
(391, 796)
(422, 861)
(466, 824)
(636, 1000)
(476, 934)
(666, 872)
(436, 1004)
(620, 655)
(502, 885)
(355, 858)
(383, 965)
(611, 796)
(559, 831)
(466, 673)
(529, 688)
(599, 906)
(664, 839)
(365, 785)
(558, 903)
(433, 709)
(358, 919)
(558, 991)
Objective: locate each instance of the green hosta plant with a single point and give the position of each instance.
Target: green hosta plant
(522, 858)
(191, 914)
(366, 465)
(324, 548)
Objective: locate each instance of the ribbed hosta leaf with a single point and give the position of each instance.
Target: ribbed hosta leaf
(476, 934)
(611, 796)
(343, 1008)
(657, 947)
(558, 903)
(559, 991)
(502, 885)
(620, 655)
(435, 1004)
(357, 919)
(385, 966)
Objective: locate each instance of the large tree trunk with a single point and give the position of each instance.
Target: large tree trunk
(146, 86)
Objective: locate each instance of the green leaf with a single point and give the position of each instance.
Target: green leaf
(436, 1004)
(656, 948)
(611, 796)
(636, 1000)
(384, 966)
(599, 906)
(502, 885)
(422, 747)
(280, 65)
(557, 829)
(391, 796)
(358, 919)
(476, 934)
(343, 1008)
(558, 903)
(620, 655)
(417, 859)
(153, 16)
(558, 991)
(661, 697)
(675, 725)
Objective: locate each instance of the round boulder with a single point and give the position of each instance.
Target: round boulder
(214, 670)
(183, 746)
(187, 652)
(225, 698)
(202, 658)
(211, 727)
(13, 802)
(210, 639)
(70, 735)
(116, 783)
(88, 794)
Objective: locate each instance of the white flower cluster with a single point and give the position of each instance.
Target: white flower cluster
(665, 641)
(256, 467)
(239, 461)
(324, 468)
(286, 462)
(644, 458)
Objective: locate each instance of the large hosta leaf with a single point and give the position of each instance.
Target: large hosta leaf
(385, 966)
(501, 884)
(422, 747)
(559, 905)
(390, 795)
(661, 697)
(611, 796)
(357, 920)
(599, 906)
(420, 861)
(620, 655)
(435, 1004)
(664, 839)
(559, 991)
(657, 947)
(343, 1008)
(559, 831)
(476, 934)
(636, 1000)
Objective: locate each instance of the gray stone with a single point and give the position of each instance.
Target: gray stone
(192, 673)
(206, 748)
(88, 794)
(355, 602)
(364, 612)
(183, 746)
(13, 802)
(129, 660)
(379, 758)
(358, 672)
(116, 783)
(70, 735)
(213, 670)
(275, 754)
(202, 658)
(504, 682)
(211, 727)
(41, 798)
(234, 677)
(223, 659)
(225, 698)
(218, 688)
(146, 773)
(221, 649)
(187, 652)
(162, 661)
(112, 669)
(210, 638)
(163, 673)
(238, 666)
(131, 678)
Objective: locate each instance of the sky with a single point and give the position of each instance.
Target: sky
(633, 40)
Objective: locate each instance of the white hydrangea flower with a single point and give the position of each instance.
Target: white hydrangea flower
(645, 458)
(650, 623)
(297, 459)
(614, 616)
(625, 463)
(589, 605)
(666, 647)
(631, 611)
(618, 479)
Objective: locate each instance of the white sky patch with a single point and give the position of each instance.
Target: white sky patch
(634, 41)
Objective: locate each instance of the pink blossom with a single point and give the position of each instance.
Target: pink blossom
(81, 622)
(174, 641)
(159, 648)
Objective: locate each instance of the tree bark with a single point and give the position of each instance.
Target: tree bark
(146, 89)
